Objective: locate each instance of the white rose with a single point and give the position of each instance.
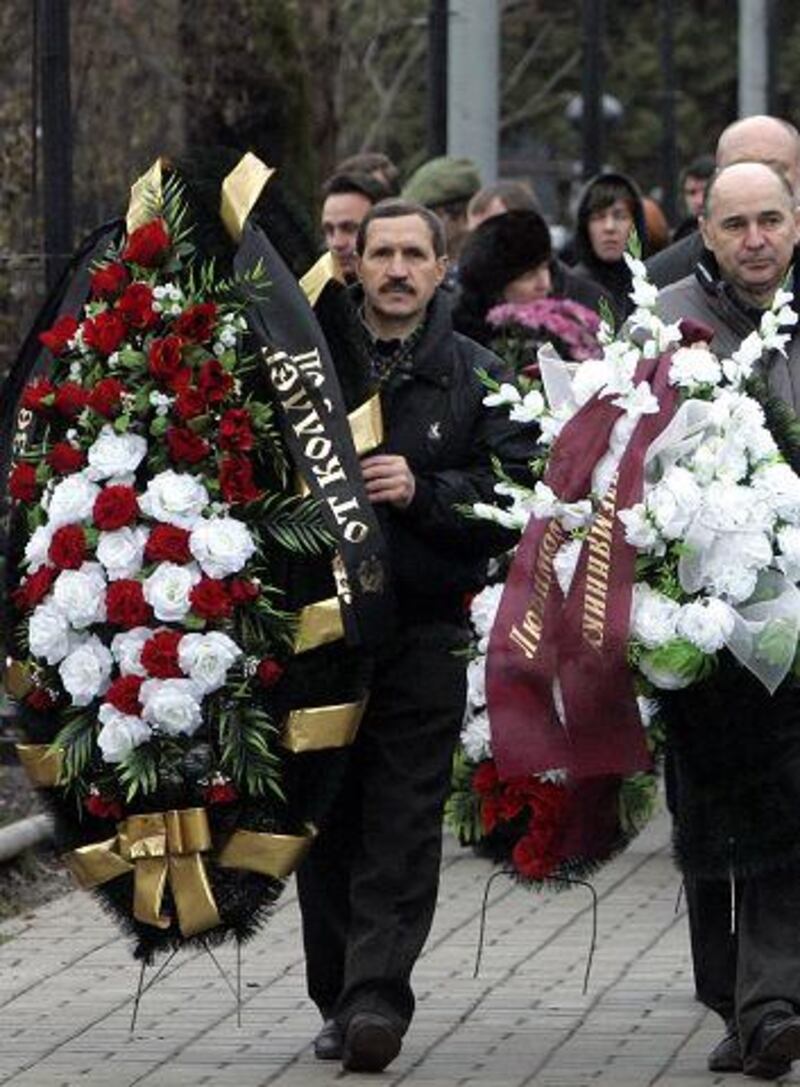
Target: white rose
(85, 671)
(81, 595)
(122, 552)
(222, 546)
(706, 623)
(673, 502)
(167, 590)
(127, 650)
(653, 616)
(113, 456)
(171, 705)
(120, 733)
(72, 500)
(38, 547)
(694, 366)
(206, 658)
(49, 633)
(174, 498)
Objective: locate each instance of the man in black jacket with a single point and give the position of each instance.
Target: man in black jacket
(368, 888)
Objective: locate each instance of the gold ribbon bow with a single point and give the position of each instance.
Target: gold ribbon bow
(156, 847)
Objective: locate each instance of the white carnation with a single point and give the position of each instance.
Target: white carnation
(174, 498)
(81, 595)
(168, 588)
(120, 733)
(171, 705)
(483, 610)
(706, 623)
(127, 647)
(114, 456)
(653, 616)
(206, 658)
(86, 670)
(779, 485)
(640, 532)
(789, 559)
(72, 500)
(122, 552)
(692, 366)
(673, 502)
(476, 682)
(476, 737)
(222, 546)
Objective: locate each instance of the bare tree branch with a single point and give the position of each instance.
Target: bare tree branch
(394, 88)
(531, 108)
(522, 65)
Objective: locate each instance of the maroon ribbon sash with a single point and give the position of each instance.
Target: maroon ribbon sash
(538, 635)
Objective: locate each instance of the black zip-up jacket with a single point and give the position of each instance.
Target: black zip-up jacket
(434, 416)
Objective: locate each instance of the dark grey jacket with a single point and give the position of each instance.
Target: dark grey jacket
(677, 260)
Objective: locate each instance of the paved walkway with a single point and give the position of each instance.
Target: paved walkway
(66, 982)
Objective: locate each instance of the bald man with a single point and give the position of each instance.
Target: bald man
(752, 139)
(735, 786)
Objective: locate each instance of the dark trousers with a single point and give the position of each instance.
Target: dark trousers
(368, 887)
(746, 975)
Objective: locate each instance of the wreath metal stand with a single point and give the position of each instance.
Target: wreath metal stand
(554, 879)
(236, 990)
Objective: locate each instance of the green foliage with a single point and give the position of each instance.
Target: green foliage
(246, 733)
(638, 796)
(462, 813)
(138, 772)
(295, 523)
(75, 741)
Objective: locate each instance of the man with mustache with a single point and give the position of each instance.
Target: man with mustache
(735, 750)
(368, 887)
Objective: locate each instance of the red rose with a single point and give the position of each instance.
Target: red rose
(149, 245)
(210, 599)
(235, 430)
(35, 393)
(70, 399)
(102, 807)
(40, 699)
(136, 306)
(105, 332)
(236, 480)
(68, 547)
(185, 445)
(105, 397)
(123, 694)
(65, 458)
(214, 382)
(220, 792)
(168, 543)
(160, 655)
(110, 280)
(243, 591)
(196, 323)
(57, 337)
(125, 604)
(190, 403)
(164, 359)
(115, 507)
(34, 588)
(22, 483)
(269, 672)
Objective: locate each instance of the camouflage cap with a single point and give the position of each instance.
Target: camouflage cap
(442, 180)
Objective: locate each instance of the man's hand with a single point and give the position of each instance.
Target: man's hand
(388, 479)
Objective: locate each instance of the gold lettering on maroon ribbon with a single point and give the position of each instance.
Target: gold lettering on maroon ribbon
(528, 635)
(598, 565)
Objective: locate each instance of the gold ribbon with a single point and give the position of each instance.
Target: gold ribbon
(366, 427)
(275, 855)
(319, 623)
(42, 764)
(319, 276)
(240, 191)
(144, 192)
(17, 680)
(157, 847)
(321, 727)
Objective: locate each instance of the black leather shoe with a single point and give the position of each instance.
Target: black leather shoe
(371, 1043)
(775, 1045)
(726, 1056)
(329, 1043)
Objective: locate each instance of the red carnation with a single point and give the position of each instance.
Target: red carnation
(196, 323)
(160, 655)
(190, 403)
(269, 672)
(125, 604)
(34, 588)
(70, 399)
(214, 382)
(485, 777)
(102, 807)
(58, 336)
(220, 792)
(105, 397)
(168, 543)
(533, 858)
(123, 694)
(235, 430)
(210, 599)
(185, 445)
(65, 458)
(110, 280)
(105, 332)
(149, 245)
(164, 359)
(40, 699)
(35, 393)
(136, 306)
(115, 507)
(68, 547)
(22, 483)
(236, 480)
(243, 591)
